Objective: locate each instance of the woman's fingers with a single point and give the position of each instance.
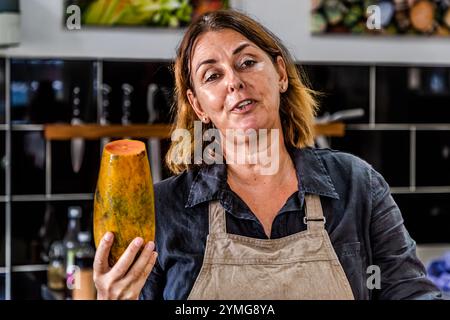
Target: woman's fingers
(144, 264)
(101, 265)
(135, 279)
(120, 269)
(148, 268)
(121, 281)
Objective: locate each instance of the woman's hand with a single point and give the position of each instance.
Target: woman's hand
(121, 281)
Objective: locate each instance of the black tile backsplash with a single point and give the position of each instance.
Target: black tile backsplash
(413, 95)
(2, 235)
(27, 285)
(387, 151)
(64, 177)
(2, 90)
(28, 162)
(427, 216)
(35, 225)
(149, 82)
(433, 158)
(341, 87)
(2, 163)
(2, 286)
(41, 90)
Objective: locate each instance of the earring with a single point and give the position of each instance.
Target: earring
(205, 119)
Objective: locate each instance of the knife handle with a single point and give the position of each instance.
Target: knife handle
(127, 89)
(76, 112)
(151, 95)
(104, 112)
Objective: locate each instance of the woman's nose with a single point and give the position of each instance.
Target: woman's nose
(234, 82)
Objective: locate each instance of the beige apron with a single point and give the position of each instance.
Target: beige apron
(300, 266)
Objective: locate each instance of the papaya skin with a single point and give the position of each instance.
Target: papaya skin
(124, 197)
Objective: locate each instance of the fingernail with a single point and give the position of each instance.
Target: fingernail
(138, 242)
(155, 255)
(108, 236)
(150, 245)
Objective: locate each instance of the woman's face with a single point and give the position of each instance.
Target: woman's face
(236, 85)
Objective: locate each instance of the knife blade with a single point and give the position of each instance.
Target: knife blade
(77, 144)
(154, 144)
(127, 89)
(104, 113)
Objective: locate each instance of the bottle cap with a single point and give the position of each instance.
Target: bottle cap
(56, 250)
(84, 236)
(74, 212)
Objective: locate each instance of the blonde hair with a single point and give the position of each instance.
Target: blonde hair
(297, 105)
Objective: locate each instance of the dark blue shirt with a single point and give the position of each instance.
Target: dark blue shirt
(363, 221)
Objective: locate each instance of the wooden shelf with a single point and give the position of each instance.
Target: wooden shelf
(95, 131)
(336, 129)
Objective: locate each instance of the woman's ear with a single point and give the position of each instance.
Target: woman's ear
(282, 72)
(193, 101)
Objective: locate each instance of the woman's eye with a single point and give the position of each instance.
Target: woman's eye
(212, 77)
(248, 63)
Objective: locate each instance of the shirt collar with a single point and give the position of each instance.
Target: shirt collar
(210, 181)
(312, 176)
(208, 184)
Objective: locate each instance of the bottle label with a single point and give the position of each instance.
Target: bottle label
(72, 271)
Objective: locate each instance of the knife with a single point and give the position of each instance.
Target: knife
(104, 113)
(77, 144)
(320, 140)
(154, 144)
(127, 89)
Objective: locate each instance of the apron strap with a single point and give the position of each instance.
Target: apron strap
(217, 221)
(314, 218)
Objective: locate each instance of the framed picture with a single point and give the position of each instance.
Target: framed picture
(381, 17)
(142, 13)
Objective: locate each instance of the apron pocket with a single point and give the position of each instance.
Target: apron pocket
(350, 257)
(348, 249)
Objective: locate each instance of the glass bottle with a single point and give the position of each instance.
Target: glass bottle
(84, 288)
(71, 245)
(56, 273)
(47, 232)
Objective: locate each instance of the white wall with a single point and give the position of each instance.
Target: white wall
(43, 35)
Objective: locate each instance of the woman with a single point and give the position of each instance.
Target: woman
(320, 224)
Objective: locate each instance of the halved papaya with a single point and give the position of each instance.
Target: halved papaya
(124, 198)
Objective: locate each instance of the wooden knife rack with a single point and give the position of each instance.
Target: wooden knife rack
(162, 131)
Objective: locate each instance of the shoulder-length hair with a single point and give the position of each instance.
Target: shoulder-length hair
(298, 105)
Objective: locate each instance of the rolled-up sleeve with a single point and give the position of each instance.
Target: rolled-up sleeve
(403, 276)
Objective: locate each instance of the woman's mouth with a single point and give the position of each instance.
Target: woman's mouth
(244, 106)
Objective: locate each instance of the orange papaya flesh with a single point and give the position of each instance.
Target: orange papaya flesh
(124, 198)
